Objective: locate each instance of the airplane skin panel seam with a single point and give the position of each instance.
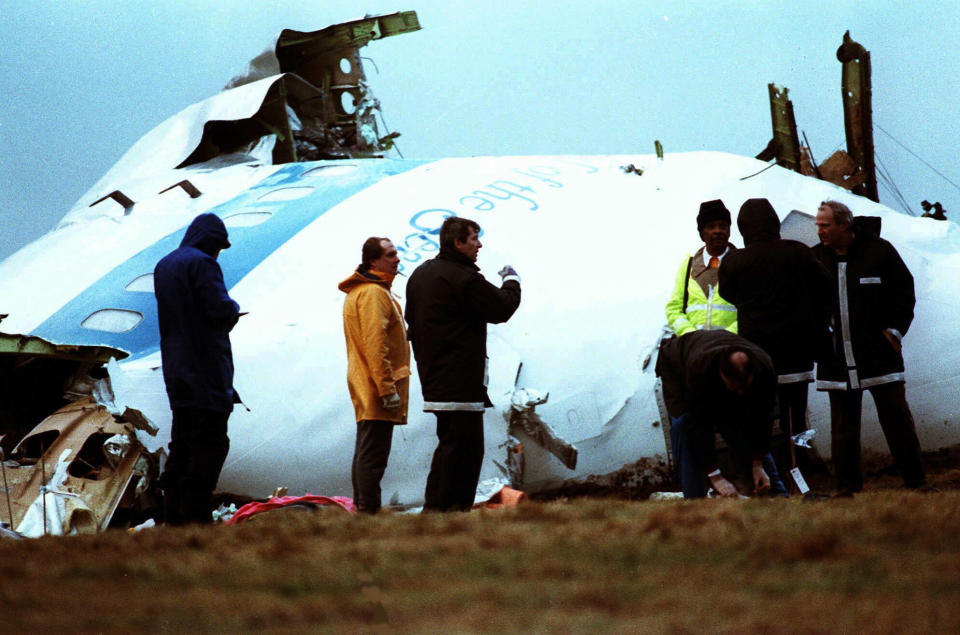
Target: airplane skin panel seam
(251, 246)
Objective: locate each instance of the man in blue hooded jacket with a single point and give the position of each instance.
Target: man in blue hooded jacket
(196, 315)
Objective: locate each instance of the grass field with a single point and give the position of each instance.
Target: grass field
(886, 561)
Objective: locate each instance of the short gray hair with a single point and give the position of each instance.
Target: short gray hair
(841, 213)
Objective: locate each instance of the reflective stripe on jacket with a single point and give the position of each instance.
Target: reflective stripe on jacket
(704, 310)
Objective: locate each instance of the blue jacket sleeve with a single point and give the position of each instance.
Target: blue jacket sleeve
(216, 303)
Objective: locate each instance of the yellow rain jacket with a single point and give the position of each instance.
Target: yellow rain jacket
(706, 309)
(378, 355)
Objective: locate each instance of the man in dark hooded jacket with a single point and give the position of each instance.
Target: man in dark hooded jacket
(782, 294)
(196, 315)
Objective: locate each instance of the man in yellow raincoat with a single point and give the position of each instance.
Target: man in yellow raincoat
(378, 365)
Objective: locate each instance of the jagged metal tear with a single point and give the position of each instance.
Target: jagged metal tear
(522, 418)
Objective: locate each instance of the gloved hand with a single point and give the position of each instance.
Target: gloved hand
(894, 342)
(761, 482)
(507, 270)
(390, 401)
(724, 487)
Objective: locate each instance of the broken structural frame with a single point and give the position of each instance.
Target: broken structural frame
(322, 108)
(855, 169)
(46, 407)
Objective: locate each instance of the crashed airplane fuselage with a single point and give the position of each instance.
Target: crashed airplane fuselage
(596, 246)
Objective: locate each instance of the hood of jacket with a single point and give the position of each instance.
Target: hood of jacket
(206, 233)
(365, 276)
(867, 226)
(758, 221)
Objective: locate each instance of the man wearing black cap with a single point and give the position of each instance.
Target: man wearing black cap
(196, 315)
(695, 303)
(782, 294)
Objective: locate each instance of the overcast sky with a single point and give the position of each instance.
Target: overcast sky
(82, 80)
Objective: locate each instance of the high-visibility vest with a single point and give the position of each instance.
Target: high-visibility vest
(695, 310)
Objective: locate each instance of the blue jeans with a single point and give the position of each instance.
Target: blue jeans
(777, 487)
(692, 481)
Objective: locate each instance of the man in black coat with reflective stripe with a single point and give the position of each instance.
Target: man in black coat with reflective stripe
(449, 304)
(873, 304)
(782, 294)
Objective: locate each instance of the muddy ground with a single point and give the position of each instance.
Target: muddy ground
(883, 561)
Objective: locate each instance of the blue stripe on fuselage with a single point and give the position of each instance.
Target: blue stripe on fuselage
(251, 246)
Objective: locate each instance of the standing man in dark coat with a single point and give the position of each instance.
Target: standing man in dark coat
(449, 304)
(873, 302)
(782, 294)
(196, 315)
(717, 381)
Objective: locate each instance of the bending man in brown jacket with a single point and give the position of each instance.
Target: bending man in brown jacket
(378, 365)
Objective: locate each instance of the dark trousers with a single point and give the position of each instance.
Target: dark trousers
(455, 470)
(898, 427)
(793, 407)
(198, 448)
(370, 455)
(793, 420)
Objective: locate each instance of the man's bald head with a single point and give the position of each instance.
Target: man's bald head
(736, 371)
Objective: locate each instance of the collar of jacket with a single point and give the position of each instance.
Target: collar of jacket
(361, 276)
(378, 277)
(860, 239)
(455, 256)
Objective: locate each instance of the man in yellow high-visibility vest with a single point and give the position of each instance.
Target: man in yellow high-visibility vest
(695, 303)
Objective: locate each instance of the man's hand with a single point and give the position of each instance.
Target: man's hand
(724, 487)
(391, 401)
(893, 340)
(761, 482)
(507, 270)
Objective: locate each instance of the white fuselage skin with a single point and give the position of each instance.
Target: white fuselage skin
(596, 248)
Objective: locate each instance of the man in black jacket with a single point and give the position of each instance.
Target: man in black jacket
(718, 381)
(873, 304)
(782, 294)
(449, 304)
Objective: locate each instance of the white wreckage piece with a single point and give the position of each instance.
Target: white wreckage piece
(524, 423)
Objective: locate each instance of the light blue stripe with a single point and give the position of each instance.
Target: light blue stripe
(251, 246)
